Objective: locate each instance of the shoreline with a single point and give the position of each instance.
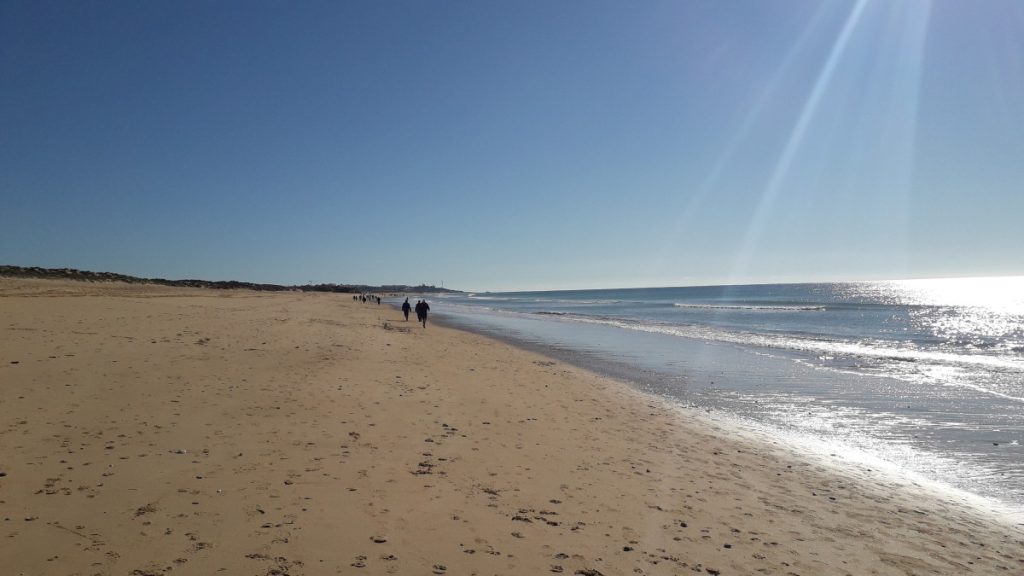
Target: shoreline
(175, 429)
(647, 381)
(729, 381)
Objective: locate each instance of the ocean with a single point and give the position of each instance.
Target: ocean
(923, 377)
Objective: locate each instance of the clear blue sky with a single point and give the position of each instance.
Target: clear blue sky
(514, 145)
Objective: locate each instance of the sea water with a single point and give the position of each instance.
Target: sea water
(925, 376)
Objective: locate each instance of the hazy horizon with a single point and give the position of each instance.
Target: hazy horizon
(553, 289)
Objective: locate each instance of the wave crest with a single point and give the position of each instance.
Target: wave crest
(758, 307)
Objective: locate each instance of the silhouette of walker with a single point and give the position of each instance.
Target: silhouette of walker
(421, 311)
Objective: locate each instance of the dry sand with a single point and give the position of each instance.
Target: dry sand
(149, 430)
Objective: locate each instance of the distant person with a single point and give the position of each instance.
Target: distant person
(406, 307)
(421, 311)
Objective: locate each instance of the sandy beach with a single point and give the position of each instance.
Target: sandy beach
(151, 430)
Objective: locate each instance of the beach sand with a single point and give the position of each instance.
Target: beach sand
(150, 430)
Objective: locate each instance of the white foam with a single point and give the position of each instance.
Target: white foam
(757, 307)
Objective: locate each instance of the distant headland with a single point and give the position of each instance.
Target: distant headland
(88, 276)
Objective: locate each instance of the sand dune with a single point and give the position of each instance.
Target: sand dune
(151, 430)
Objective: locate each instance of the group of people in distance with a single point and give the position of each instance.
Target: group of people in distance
(421, 310)
(364, 298)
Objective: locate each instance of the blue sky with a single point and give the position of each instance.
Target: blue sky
(514, 145)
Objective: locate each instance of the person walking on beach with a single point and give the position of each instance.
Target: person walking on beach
(406, 307)
(421, 312)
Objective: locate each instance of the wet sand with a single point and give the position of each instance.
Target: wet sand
(150, 430)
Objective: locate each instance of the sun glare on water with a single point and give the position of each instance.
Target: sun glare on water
(1004, 295)
(986, 312)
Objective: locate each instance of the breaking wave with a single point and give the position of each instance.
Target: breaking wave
(758, 307)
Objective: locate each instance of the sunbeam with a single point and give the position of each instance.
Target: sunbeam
(908, 26)
(793, 143)
(755, 112)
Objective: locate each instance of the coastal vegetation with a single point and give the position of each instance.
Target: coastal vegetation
(88, 276)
